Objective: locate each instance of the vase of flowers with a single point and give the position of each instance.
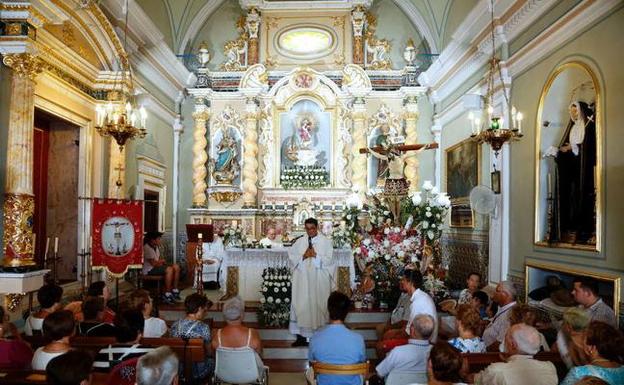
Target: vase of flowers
(233, 236)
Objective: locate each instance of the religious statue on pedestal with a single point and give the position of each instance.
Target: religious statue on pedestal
(225, 167)
(575, 190)
(300, 148)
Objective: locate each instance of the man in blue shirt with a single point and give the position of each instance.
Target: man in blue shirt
(335, 344)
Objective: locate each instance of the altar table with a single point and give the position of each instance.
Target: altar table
(241, 270)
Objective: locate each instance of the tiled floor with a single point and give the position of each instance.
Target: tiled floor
(286, 379)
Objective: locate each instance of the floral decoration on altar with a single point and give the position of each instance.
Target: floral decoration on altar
(274, 309)
(304, 177)
(234, 236)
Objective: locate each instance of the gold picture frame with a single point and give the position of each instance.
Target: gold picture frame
(568, 273)
(458, 190)
(540, 226)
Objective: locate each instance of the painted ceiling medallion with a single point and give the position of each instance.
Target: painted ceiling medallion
(305, 42)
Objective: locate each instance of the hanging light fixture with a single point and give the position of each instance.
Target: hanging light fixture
(121, 118)
(487, 127)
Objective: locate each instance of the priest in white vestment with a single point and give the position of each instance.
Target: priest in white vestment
(271, 239)
(313, 269)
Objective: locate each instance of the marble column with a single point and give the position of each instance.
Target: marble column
(250, 156)
(359, 141)
(410, 114)
(358, 18)
(19, 201)
(201, 116)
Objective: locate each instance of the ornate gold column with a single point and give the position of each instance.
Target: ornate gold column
(250, 156)
(359, 141)
(358, 18)
(19, 203)
(201, 116)
(252, 26)
(410, 114)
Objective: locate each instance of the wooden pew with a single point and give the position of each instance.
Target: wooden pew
(188, 352)
(29, 377)
(479, 361)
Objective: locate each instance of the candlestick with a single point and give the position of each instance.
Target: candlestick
(200, 236)
(549, 184)
(55, 245)
(45, 255)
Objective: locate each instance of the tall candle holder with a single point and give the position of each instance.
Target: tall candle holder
(83, 273)
(199, 274)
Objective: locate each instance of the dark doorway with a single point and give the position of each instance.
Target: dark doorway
(150, 221)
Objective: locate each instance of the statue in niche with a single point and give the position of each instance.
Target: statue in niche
(225, 166)
(299, 149)
(575, 191)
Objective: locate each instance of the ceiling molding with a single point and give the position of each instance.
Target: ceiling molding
(197, 23)
(413, 14)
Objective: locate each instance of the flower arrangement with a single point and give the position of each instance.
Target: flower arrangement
(304, 177)
(379, 214)
(434, 285)
(274, 309)
(426, 211)
(233, 236)
(341, 237)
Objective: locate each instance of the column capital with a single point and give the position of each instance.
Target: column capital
(24, 64)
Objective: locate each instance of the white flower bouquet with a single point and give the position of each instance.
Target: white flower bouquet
(234, 236)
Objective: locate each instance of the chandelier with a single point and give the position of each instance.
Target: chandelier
(487, 127)
(121, 119)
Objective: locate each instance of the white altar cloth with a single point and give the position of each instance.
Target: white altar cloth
(252, 262)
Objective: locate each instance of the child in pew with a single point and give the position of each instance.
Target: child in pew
(15, 353)
(71, 368)
(154, 327)
(58, 327)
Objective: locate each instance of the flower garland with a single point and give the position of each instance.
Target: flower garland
(274, 309)
(304, 177)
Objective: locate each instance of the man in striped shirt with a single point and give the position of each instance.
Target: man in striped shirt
(128, 332)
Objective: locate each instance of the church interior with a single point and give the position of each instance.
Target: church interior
(250, 166)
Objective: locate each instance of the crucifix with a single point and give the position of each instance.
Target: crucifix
(396, 186)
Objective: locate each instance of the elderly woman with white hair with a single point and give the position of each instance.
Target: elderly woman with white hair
(235, 334)
(158, 367)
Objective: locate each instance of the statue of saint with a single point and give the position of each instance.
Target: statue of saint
(299, 149)
(575, 190)
(225, 166)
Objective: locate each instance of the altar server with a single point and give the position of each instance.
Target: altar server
(313, 269)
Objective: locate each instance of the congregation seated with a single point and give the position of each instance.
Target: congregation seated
(604, 346)
(129, 326)
(480, 301)
(393, 333)
(571, 337)
(586, 294)
(58, 327)
(14, 353)
(523, 313)
(505, 297)
(445, 365)
(140, 300)
(468, 324)
(235, 334)
(193, 326)
(93, 311)
(154, 265)
(49, 297)
(71, 368)
(413, 356)
(96, 289)
(158, 367)
(522, 343)
(336, 344)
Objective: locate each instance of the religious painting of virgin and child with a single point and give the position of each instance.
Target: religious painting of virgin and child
(305, 136)
(462, 169)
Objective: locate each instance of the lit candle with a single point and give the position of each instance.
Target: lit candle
(519, 117)
(55, 245)
(472, 122)
(490, 111)
(128, 109)
(143, 115)
(47, 248)
(132, 119)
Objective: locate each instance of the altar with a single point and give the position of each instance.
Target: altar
(241, 270)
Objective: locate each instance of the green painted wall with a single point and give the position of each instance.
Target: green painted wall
(393, 25)
(218, 29)
(601, 47)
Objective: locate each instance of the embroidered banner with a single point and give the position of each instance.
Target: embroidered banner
(117, 235)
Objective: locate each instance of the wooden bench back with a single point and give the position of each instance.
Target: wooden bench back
(479, 361)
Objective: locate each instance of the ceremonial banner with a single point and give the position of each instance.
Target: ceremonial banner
(117, 235)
